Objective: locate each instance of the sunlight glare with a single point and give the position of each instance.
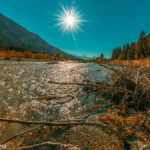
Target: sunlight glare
(70, 19)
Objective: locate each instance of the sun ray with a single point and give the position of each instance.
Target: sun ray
(70, 20)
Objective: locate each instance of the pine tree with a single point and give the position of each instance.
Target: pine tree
(102, 56)
(142, 46)
(116, 52)
(131, 52)
(123, 55)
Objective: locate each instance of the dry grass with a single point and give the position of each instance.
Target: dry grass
(135, 63)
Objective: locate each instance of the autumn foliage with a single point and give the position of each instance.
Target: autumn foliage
(27, 54)
(19, 55)
(135, 63)
(129, 126)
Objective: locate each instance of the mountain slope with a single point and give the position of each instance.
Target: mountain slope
(14, 35)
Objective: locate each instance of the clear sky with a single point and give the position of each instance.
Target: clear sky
(109, 23)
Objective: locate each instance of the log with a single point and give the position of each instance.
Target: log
(46, 144)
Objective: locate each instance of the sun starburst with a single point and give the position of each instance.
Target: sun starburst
(70, 19)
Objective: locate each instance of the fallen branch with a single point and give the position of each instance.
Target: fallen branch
(29, 130)
(69, 83)
(47, 143)
(70, 123)
(24, 132)
(77, 120)
(66, 123)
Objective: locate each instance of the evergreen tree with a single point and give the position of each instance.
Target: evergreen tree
(102, 56)
(116, 52)
(123, 55)
(131, 52)
(138, 50)
(142, 46)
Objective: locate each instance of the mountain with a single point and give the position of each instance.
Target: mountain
(84, 57)
(13, 34)
(80, 57)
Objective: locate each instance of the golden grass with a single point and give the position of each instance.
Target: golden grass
(135, 63)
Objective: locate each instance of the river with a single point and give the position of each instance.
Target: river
(25, 87)
(26, 91)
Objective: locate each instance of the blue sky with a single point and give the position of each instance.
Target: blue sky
(109, 23)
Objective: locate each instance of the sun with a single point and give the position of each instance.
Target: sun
(69, 19)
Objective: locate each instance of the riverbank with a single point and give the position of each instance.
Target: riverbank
(135, 63)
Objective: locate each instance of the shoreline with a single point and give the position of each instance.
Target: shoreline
(133, 63)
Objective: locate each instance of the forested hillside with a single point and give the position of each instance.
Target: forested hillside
(136, 50)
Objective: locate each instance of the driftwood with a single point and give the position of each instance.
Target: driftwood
(129, 86)
(64, 124)
(65, 83)
(24, 132)
(49, 143)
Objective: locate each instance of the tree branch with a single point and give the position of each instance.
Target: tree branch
(21, 133)
(46, 143)
(70, 123)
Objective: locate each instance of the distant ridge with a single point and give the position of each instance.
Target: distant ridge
(84, 57)
(13, 34)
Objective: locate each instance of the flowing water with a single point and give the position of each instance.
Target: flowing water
(26, 91)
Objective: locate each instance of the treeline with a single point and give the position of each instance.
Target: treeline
(9, 54)
(136, 50)
(18, 53)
